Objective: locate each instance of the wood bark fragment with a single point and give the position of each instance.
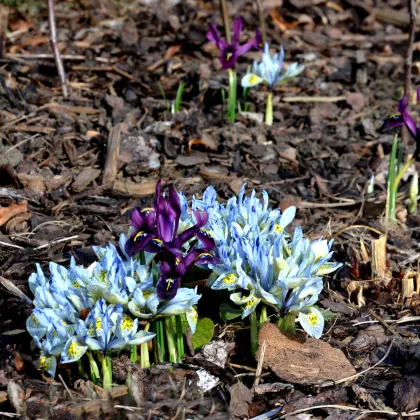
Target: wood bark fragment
(142, 189)
(6, 213)
(113, 153)
(378, 257)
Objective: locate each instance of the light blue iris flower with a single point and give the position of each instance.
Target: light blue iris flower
(261, 263)
(106, 328)
(145, 304)
(269, 70)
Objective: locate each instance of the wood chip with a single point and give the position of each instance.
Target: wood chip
(142, 189)
(302, 361)
(6, 213)
(84, 178)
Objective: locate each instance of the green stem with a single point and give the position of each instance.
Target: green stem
(254, 332)
(231, 111)
(414, 190)
(170, 339)
(269, 109)
(106, 373)
(391, 199)
(178, 98)
(263, 316)
(159, 344)
(144, 351)
(94, 370)
(179, 338)
(401, 173)
(287, 323)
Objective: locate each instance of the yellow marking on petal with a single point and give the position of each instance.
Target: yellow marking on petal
(251, 303)
(253, 78)
(74, 350)
(193, 314)
(98, 324)
(177, 261)
(139, 235)
(126, 323)
(169, 283)
(230, 279)
(228, 56)
(206, 233)
(278, 228)
(157, 242)
(76, 284)
(34, 320)
(203, 254)
(101, 276)
(313, 318)
(44, 362)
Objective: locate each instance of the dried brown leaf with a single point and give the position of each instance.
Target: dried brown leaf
(6, 213)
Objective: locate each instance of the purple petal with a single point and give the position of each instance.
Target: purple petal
(167, 288)
(411, 125)
(190, 258)
(165, 269)
(176, 210)
(214, 36)
(228, 57)
(136, 219)
(258, 40)
(137, 242)
(403, 105)
(149, 222)
(206, 239)
(179, 270)
(164, 224)
(155, 245)
(418, 94)
(237, 26)
(199, 256)
(201, 219)
(392, 122)
(246, 47)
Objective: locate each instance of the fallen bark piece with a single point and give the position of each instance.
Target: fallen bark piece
(142, 189)
(300, 361)
(84, 178)
(240, 399)
(6, 213)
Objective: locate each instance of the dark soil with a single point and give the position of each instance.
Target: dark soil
(320, 154)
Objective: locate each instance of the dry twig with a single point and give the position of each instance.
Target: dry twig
(56, 51)
(225, 16)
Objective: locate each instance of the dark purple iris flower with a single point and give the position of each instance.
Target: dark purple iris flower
(173, 267)
(157, 231)
(229, 53)
(404, 117)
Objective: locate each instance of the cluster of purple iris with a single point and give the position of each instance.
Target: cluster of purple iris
(156, 231)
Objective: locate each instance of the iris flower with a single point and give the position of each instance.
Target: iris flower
(269, 71)
(404, 117)
(145, 304)
(261, 263)
(106, 328)
(229, 53)
(158, 231)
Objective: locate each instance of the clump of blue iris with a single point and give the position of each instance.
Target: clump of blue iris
(260, 263)
(100, 307)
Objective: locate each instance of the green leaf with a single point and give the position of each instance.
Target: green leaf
(203, 333)
(228, 312)
(326, 313)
